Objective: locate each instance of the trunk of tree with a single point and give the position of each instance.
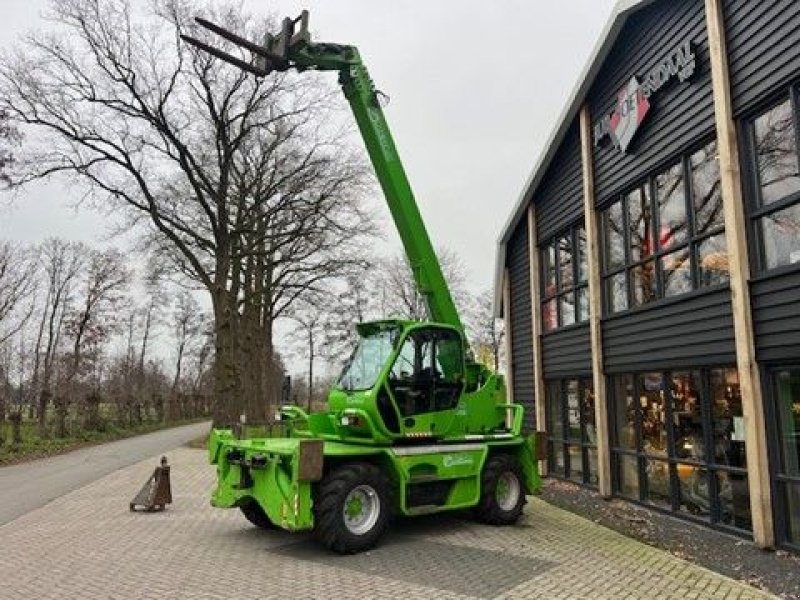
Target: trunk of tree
(228, 400)
(141, 384)
(62, 408)
(310, 366)
(16, 428)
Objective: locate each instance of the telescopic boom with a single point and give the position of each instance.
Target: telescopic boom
(293, 49)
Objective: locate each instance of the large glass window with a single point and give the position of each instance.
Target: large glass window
(666, 236)
(572, 436)
(776, 183)
(786, 383)
(565, 279)
(678, 443)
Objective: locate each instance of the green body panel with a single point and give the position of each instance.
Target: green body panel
(288, 501)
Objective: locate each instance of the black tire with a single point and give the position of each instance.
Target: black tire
(253, 512)
(362, 482)
(501, 469)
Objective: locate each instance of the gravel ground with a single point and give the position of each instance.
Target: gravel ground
(777, 572)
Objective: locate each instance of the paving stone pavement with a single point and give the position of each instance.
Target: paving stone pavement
(88, 545)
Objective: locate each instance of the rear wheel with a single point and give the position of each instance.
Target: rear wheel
(352, 508)
(253, 512)
(502, 491)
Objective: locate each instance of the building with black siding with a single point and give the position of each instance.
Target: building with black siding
(649, 275)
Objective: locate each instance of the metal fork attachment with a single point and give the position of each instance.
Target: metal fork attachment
(273, 55)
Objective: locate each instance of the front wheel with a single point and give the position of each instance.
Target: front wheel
(352, 508)
(502, 491)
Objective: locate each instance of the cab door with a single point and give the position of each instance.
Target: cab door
(427, 377)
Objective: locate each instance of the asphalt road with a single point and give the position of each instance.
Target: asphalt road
(30, 485)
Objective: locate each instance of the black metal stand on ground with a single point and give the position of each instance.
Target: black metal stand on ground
(156, 493)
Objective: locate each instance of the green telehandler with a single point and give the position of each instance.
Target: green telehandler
(414, 425)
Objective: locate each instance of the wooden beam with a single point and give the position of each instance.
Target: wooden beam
(739, 262)
(507, 329)
(595, 307)
(536, 326)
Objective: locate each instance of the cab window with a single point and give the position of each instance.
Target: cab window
(428, 373)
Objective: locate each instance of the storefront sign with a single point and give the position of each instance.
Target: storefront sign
(633, 101)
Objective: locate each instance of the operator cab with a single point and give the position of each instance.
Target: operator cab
(416, 371)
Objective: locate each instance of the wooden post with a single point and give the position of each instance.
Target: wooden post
(738, 259)
(507, 329)
(536, 326)
(595, 307)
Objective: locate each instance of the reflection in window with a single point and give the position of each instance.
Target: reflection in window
(565, 280)
(555, 412)
(713, 267)
(549, 269)
(565, 263)
(628, 473)
(687, 248)
(658, 482)
(677, 269)
(780, 231)
(575, 463)
(727, 419)
(549, 315)
(573, 409)
(571, 433)
(776, 150)
(625, 412)
(617, 292)
(654, 433)
(788, 408)
(687, 417)
(791, 500)
(734, 499)
(583, 256)
(615, 240)
(672, 217)
(639, 224)
(694, 495)
(583, 305)
(644, 283)
(567, 310)
(706, 189)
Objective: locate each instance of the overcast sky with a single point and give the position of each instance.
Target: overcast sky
(475, 90)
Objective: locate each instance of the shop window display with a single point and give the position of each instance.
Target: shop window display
(786, 383)
(679, 443)
(572, 437)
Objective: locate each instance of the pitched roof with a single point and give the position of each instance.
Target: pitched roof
(619, 16)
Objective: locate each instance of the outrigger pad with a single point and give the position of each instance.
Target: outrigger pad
(156, 493)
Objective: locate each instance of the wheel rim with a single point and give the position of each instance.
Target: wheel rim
(508, 491)
(361, 509)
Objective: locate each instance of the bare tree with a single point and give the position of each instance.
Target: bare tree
(398, 294)
(189, 325)
(61, 263)
(91, 322)
(9, 137)
(243, 181)
(485, 331)
(17, 282)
